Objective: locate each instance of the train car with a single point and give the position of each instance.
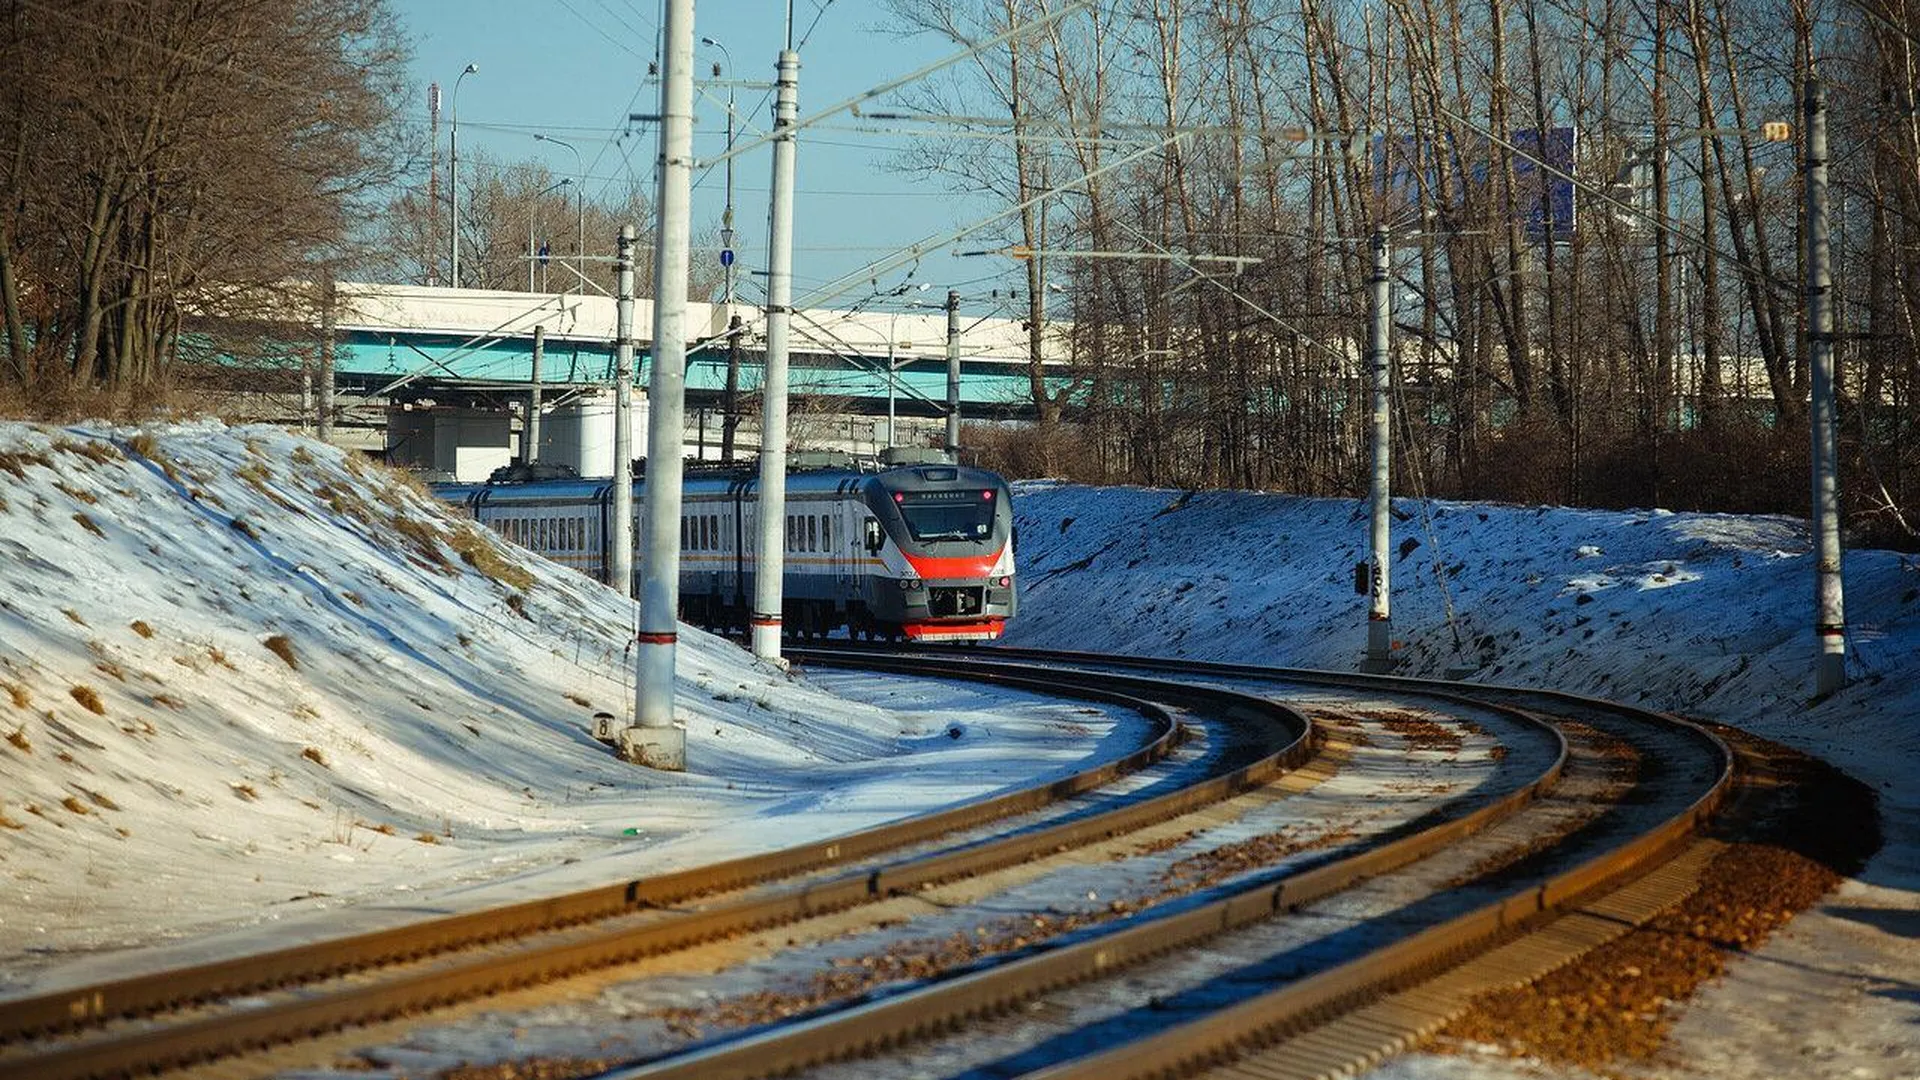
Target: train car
(922, 551)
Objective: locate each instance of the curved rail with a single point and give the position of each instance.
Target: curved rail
(1289, 742)
(1229, 1033)
(944, 1004)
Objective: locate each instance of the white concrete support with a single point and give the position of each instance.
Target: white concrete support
(1829, 622)
(953, 374)
(620, 544)
(658, 741)
(329, 320)
(1379, 535)
(770, 554)
(531, 452)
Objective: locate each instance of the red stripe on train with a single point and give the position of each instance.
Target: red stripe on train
(965, 566)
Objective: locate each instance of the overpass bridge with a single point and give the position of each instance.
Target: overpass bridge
(453, 369)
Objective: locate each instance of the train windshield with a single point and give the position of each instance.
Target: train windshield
(948, 515)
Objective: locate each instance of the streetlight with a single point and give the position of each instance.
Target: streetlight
(580, 202)
(453, 174)
(531, 211)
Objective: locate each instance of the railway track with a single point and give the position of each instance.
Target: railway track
(1553, 810)
(195, 1014)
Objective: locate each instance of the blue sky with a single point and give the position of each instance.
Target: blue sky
(575, 69)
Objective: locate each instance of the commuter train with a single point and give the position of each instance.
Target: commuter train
(922, 551)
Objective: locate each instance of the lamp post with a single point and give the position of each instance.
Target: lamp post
(531, 211)
(453, 176)
(580, 204)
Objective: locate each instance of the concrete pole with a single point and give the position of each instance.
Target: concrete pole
(1829, 623)
(953, 374)
(731, 420)
(731, 399)
(532, 454)
(329, 319)
(891, 376)
(308, 422)
(620, 544)
(658, 742)
(1379, 608)
(770, 556)
(325, 425)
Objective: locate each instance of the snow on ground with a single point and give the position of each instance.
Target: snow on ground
(1702, 614)
(249, 681)
(249, 686)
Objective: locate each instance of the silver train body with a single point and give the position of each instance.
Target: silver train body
(922, 551)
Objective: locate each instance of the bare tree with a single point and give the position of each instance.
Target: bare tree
(177, 166)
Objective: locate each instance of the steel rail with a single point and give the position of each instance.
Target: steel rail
(1291, 742)
(944, 1004)
(1223, 1036)
(1228, 1034)
(74, 1007)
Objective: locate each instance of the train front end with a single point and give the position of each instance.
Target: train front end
(939, 549)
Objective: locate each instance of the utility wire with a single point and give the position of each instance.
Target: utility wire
(595, 27)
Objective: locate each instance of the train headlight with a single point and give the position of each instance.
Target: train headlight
(909, 584)
(1005, 581)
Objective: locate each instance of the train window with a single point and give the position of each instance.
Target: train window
(813, 534)
(947, 515)
(826, 533)
(713, 533)
(789, 532)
